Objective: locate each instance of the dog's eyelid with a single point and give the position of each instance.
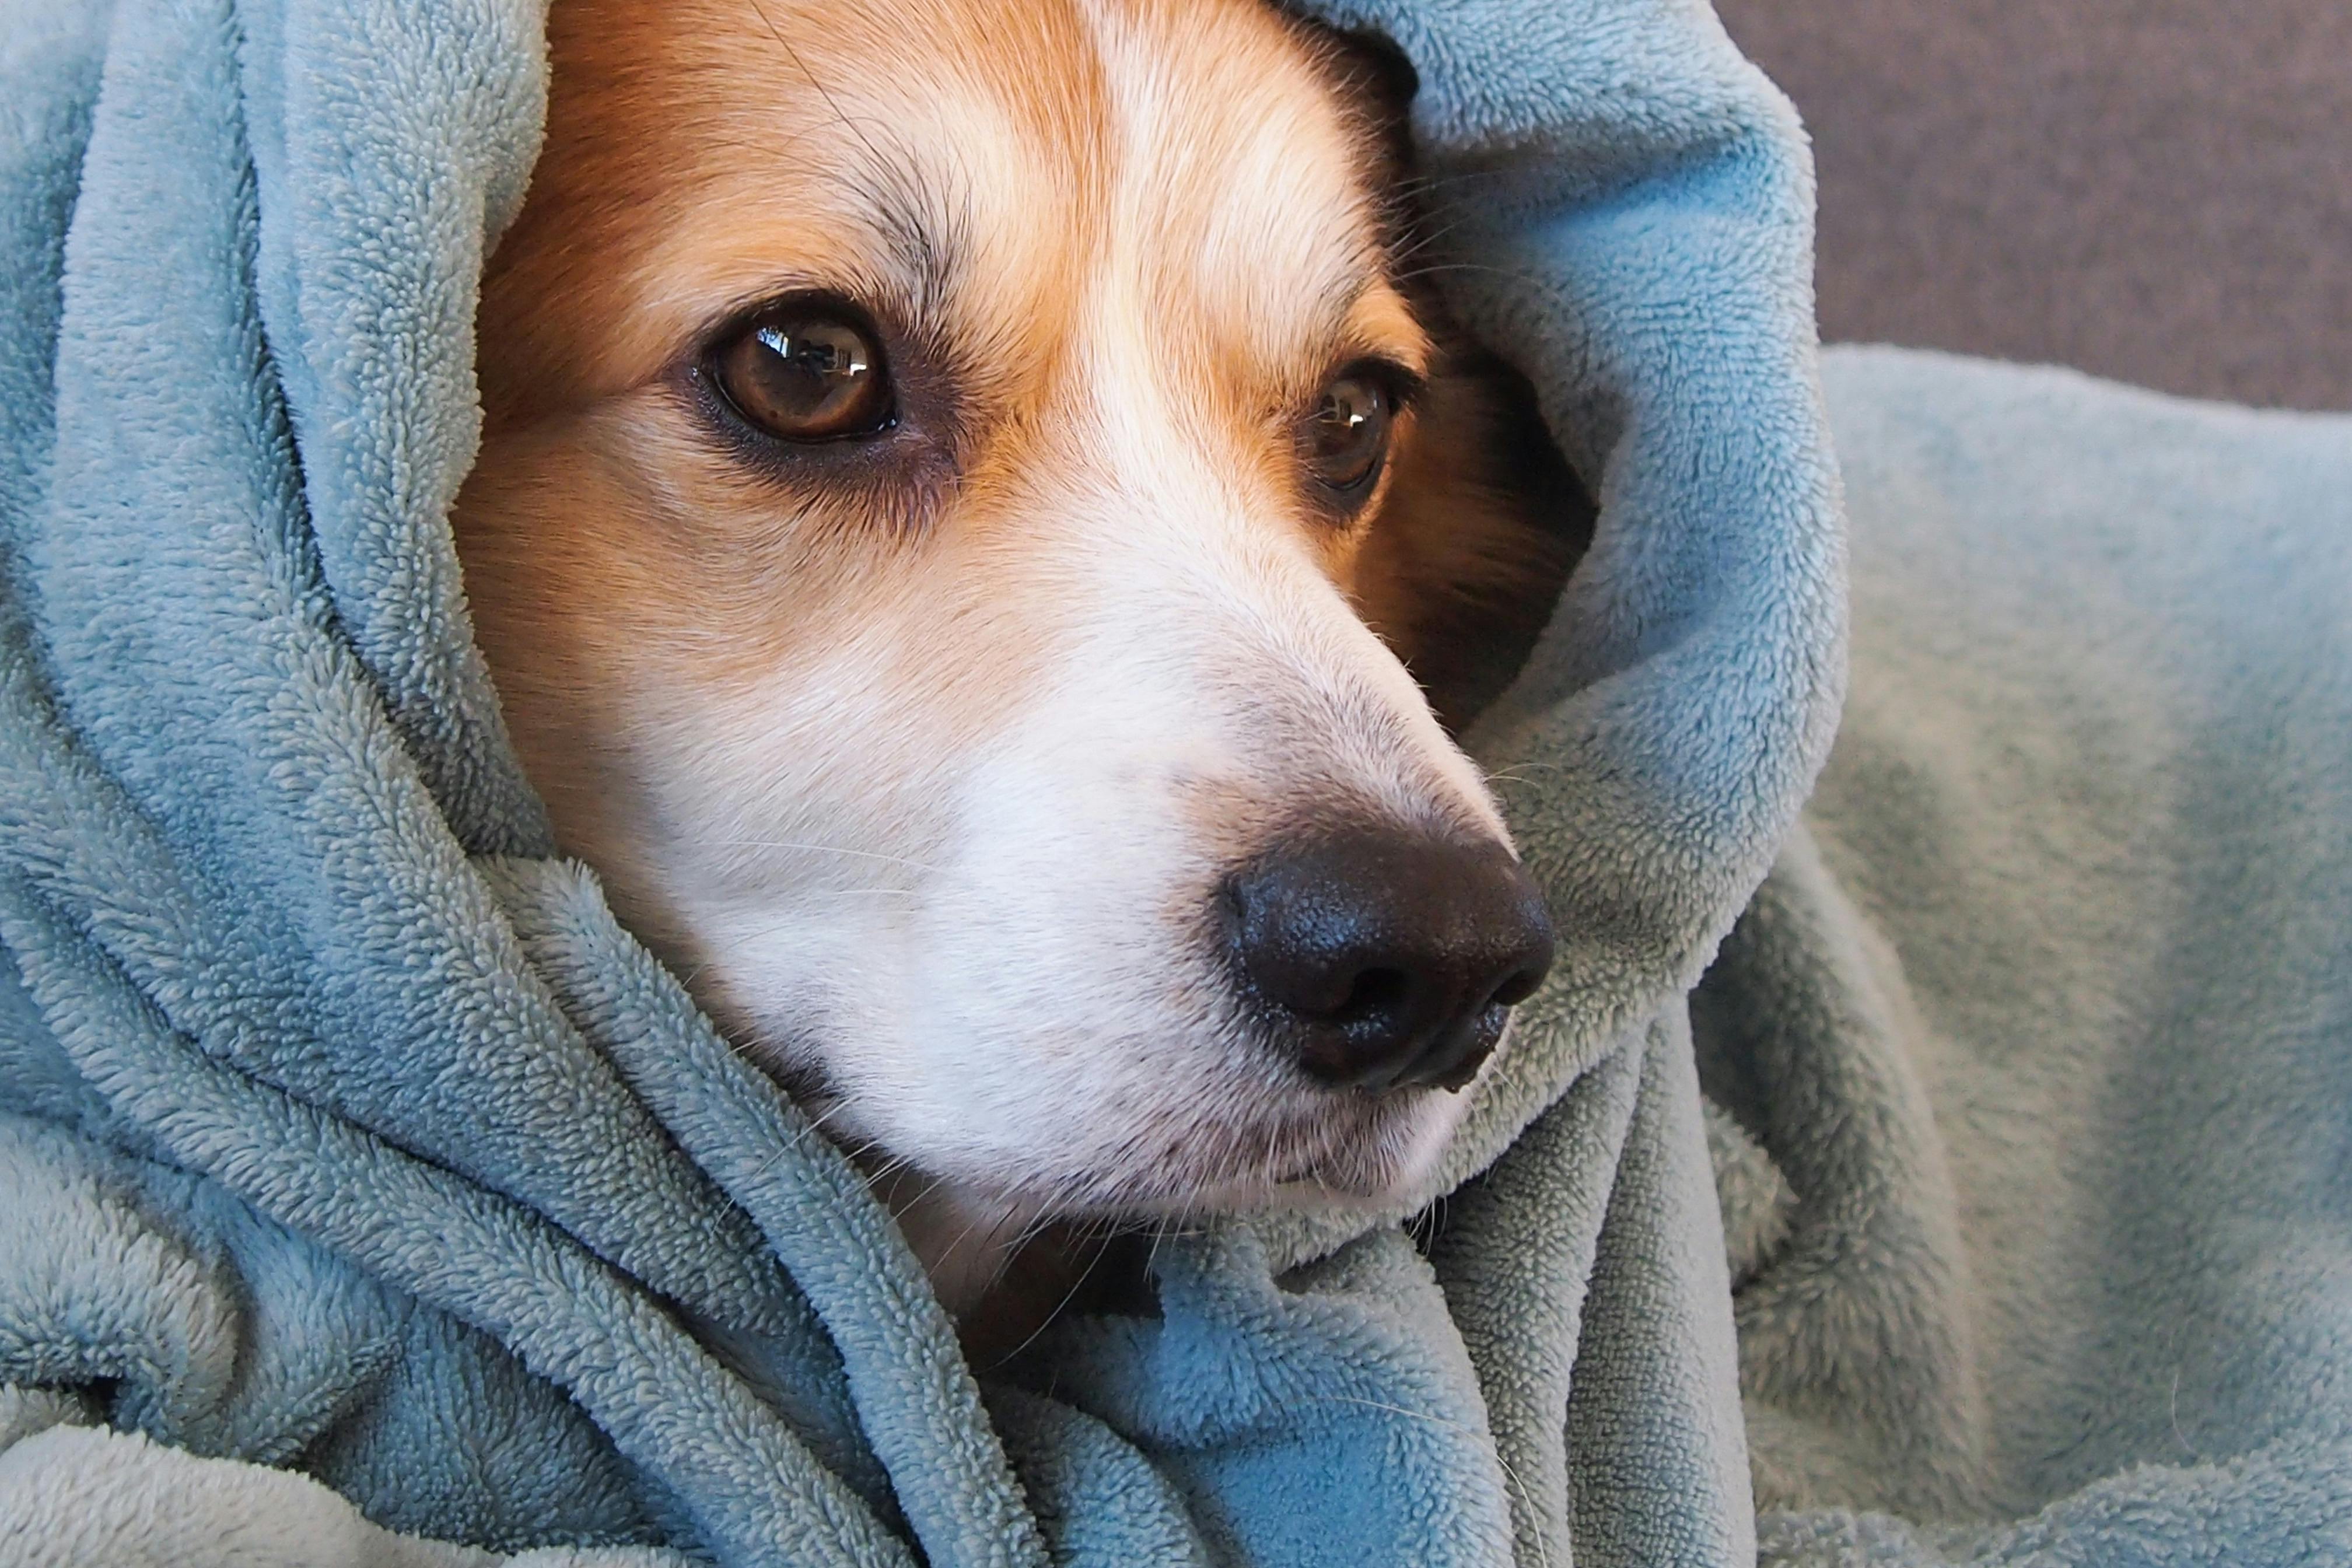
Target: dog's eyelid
(1405, 385)
(857, 304)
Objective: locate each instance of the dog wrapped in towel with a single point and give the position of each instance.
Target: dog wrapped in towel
(371, 1196)
(367, 1196)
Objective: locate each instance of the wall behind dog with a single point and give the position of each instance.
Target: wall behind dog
(2155, 189)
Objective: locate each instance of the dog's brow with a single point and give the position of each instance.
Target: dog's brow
(1364, 315)
(813, 79)
(919, 232)
(917, 229)
(915, 226)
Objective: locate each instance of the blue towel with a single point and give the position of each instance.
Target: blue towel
(2034, 1057)
(367, 1195)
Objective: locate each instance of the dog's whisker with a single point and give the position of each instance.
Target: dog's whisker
(813, 848)
(1054, 1315)
(1435, 269)
(873, 892)
(769, 22)
(1424, 236)
(1527, 1497)
(786, 1149)
(789, 1146)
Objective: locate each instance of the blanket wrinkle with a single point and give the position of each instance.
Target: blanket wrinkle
(2042, 1016)
(1858, 1366)
(392, 1166)
(368, 1194)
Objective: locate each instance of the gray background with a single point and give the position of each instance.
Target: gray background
(2155, 189)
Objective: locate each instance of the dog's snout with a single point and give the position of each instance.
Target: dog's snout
(1387, 957)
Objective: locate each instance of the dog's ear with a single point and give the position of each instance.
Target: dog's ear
(1481, 525)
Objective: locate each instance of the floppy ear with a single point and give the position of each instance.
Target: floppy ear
(1481, 526)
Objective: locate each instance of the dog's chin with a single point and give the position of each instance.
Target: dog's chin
(1379, 1176)
(1346, 1151)
(1371, 1154)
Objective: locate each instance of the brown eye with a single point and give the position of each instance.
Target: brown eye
(807, 373)
(1347, 436)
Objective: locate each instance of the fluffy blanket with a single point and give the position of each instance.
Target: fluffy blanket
(366, 1194)
(2035, 1051)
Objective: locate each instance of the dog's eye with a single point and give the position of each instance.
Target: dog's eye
(1347, 436)
(807, 372)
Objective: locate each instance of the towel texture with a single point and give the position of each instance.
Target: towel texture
(367, 1196)
(342, 1131)
(2043, 1021)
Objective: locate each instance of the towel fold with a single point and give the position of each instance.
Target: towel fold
(2044, 1017)
(342, 1131)
(367, 1195)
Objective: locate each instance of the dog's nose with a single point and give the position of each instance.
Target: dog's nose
(1389, 958)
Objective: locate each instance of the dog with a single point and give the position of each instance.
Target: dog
(967, 488)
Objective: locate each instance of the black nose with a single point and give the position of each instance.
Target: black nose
(1387, 958)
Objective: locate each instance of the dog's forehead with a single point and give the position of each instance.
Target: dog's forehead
(990, 168)
(1242, 188)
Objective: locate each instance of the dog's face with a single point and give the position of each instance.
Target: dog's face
(931, 450)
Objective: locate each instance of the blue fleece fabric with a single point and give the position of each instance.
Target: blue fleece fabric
(2041, 1027)
(342, 1131)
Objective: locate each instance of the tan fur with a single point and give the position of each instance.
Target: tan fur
(1125, 240)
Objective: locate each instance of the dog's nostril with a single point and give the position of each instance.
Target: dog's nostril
(1374, 993)
(1518, 987)
(1384, 958)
